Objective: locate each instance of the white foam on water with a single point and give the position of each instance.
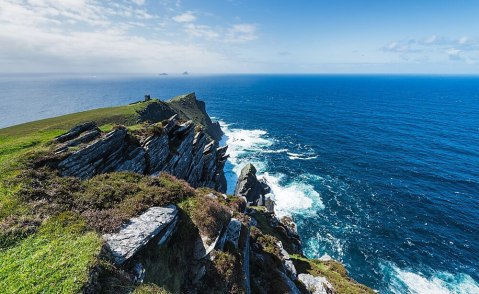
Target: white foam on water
(247, 146)
(293, 197)
(244, 146)
(440, 283)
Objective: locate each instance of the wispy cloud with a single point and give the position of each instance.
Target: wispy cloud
(200, 31)
(186, 17)
(462, 48)
(240, 33)
(76, 35)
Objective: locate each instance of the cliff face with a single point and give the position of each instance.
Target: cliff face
(175, 146)
(189, 107)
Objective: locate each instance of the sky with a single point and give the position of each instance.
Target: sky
(239, 36)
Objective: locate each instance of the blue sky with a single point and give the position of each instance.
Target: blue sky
(236, 36)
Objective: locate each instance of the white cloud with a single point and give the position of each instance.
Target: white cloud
(241, 33)
(454, 49)
(139, 2)
(38, 37)
(186, 17)
(200, 31)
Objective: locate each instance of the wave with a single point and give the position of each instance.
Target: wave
(298, 156)
(294, 197)
(404, 281)
(251, 146)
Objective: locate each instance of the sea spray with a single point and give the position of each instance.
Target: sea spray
(253, 146)
(437, 282)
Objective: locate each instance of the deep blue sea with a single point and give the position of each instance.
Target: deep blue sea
(380, 172)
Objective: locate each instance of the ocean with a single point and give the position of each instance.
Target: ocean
(379, 172)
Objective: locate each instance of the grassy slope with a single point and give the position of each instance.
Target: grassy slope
(19, 140)
(57, 258)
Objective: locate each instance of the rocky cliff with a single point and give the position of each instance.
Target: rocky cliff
(180, 148)
(139, 208)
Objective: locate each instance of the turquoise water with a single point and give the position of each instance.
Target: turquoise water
(380, 172)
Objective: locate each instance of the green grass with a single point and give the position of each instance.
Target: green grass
(38, 259)
(56, 259)
(126, 115)
(333, 271)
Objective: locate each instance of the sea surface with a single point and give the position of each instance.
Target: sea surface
(379, 172)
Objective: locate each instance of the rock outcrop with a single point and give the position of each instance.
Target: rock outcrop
(248, 186)
(136, 233)
(316, 285)
(189, 108)
(175, 148)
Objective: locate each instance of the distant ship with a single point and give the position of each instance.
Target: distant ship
(185, 73)
(163, 74)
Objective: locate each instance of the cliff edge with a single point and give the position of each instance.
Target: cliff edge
(130, 199)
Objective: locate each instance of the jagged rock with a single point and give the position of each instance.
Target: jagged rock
(182, 145)
(157, 151)
(189, 108)
(316, 285)
(233, 231)
(176, 150)
(75, 131)
(103, 155)
(287, 262)
(85, 137)
(288, 222)
(269, 204)
(171, 123)
(134, 161)
(248, 185)
(168, 232)
(265, 185)
(137, 232)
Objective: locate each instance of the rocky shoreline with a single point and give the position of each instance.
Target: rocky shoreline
(154, 194)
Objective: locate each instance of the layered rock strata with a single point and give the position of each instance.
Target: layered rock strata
(176, 148)
(137, 232)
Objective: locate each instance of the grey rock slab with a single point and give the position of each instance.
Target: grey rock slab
(233, 231)
(316, 285)
(138, 231)
(287, 262)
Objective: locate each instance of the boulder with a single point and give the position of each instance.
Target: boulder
(325, 257)
(138, 231)
(248, 185)
(316, 285)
